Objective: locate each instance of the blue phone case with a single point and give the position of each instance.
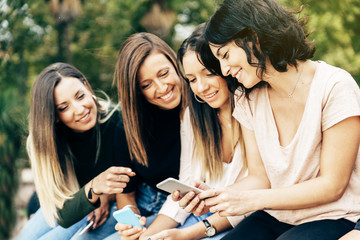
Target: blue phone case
(127, 216)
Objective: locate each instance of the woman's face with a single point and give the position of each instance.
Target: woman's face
(233, 61)
(74, 104)
(207, 86)
(159, 82)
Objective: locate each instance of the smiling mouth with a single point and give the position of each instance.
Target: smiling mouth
(209, 96)
(85, 117)
(167, 96)
(237, 75)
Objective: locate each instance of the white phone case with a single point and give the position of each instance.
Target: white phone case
(171, 184)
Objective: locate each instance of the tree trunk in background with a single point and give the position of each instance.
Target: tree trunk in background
(64, 12)
(159, 20)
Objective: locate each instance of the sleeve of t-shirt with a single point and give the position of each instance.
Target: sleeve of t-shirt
(342, 99)
(75, 209)
(122, 155)
(242, 111)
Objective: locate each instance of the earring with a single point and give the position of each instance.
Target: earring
(94, 97)
(198, 100)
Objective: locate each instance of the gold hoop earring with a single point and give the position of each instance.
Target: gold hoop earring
(198, 100)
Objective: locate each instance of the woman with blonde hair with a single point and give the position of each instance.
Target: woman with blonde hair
(70, 146)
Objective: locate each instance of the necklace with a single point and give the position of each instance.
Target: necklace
(228, 121)
(290, 95)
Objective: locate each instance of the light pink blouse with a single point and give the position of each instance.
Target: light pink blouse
(333, 97)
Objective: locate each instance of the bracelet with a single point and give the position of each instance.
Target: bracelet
(91, 191)
(132, 206)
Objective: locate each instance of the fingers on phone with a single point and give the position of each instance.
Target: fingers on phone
(199, 210)
(133, 232)
(185, 200)
(176, 196)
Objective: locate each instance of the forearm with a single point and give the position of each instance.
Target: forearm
(251, 182)
(160, 223)
(197, 231)
(124, 199)
(75, 209)
(307, 194)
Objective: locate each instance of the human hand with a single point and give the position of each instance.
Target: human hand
(229, 202)
(127, 232)
(101, 214)
(170, 234)
(113, 180)
(191, 202)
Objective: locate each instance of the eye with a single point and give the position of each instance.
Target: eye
(63, 108)
(82, 95)
(145, 85)
(192, 80)
(225, 55)
(164, 73)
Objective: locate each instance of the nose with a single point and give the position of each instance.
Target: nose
(202, 85)
(225, 68)
(78, 107)
(161, 86)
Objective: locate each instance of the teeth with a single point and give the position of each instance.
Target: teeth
(167, 96)
(85, 117)
(237, 76)
(211, 95)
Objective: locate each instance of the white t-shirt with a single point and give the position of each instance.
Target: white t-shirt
(190, 169)
(333, 97)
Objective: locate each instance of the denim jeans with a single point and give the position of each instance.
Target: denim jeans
(37, 228)
(149, 202)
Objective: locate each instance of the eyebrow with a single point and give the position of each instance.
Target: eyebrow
(76, 94)
(218, 51)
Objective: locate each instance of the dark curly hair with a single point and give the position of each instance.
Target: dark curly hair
(262, 28)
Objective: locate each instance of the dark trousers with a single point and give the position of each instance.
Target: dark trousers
(262, 226)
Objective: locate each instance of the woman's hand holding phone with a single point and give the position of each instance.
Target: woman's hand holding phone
(128, 232)
(191, 203)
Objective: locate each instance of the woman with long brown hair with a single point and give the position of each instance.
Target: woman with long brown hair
(151, 97)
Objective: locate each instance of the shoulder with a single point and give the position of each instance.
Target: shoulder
(331, 75)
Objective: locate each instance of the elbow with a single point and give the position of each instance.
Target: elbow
(337, 193)
(337, 190)
(63, 224)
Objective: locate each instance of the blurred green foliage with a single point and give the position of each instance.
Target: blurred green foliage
(29, 41)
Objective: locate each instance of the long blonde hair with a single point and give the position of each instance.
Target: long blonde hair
(132, 54)
(50, 156)
(205, 121)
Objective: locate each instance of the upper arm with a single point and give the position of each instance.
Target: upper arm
(254, 162)
(339, 151)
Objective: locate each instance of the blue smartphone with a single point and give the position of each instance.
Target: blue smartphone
(127, 216)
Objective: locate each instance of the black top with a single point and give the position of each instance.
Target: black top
(162, 148)
(83, 147)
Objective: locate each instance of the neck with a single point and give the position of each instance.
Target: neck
(284, 84)
(225, 110)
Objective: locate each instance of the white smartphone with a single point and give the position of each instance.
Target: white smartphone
(85, 229)
(171, 184)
